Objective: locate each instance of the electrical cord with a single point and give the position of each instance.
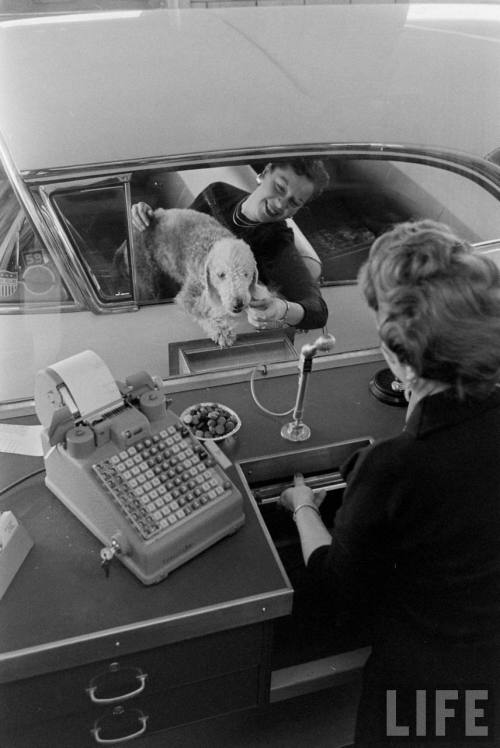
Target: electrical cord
(17, 482)
(256, 401)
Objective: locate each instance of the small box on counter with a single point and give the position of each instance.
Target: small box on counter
(15, 544)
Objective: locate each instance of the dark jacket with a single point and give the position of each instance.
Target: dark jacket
(416, 544)
(280, 265)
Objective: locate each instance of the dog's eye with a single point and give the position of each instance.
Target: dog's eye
(221, 275)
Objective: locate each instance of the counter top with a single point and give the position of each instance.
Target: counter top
(62, 608)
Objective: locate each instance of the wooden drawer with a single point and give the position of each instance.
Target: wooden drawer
(187, 703)
(101, 685)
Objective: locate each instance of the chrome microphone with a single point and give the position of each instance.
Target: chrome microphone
(322, 344)
(296, 430)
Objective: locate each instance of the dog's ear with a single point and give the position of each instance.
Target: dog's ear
(212, 292)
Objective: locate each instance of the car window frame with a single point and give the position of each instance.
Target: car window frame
(81, 243)
(74, 263)
(482, 172)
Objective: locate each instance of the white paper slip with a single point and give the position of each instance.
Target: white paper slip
(21, 440)
(89, 382)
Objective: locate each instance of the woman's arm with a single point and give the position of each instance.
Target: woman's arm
(284, 269)
(357, 558)
(304, 504)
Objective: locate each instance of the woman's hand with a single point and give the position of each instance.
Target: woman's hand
(305, 504)
(142, 214)
(267, 313)
(299, 494)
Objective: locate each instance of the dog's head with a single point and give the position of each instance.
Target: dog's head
(231, 274)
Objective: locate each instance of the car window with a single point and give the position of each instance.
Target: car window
(368, 196)
(28, 274)
(365, 197)
(334, 231)
(96, 223)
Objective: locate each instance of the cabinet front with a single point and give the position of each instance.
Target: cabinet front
(147, 691)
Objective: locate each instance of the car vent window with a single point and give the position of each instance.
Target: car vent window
(95, 221)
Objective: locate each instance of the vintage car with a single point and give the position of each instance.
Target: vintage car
(102, 110)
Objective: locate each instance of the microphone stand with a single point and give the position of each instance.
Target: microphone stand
(297, 430)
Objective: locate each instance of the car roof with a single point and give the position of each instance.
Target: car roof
(130, 85)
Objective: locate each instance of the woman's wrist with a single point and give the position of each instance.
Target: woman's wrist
(304, 505)
(294, 313)
(282, 318)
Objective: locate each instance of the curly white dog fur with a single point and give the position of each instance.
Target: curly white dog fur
(217, 272)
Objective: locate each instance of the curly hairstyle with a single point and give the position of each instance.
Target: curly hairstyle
(438, 305)
(314, 169)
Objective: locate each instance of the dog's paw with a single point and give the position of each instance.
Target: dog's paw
(224, 337)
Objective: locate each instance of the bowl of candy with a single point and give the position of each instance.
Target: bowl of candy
(211, 421)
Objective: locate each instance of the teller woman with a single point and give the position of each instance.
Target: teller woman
(416, 542)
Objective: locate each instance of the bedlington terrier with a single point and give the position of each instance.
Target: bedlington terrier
(217, 272)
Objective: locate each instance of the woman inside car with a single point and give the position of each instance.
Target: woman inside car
(416, 542)
(259, 218)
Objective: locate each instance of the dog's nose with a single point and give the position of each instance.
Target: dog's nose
(238, 305)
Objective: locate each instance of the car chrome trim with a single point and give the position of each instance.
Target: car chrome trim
(486, 168)
(131, 245)
(42, 307)
(487, 245)
(17, 408)
(90, 182)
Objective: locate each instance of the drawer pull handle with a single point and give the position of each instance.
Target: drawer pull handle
(119, 717)
(114, 699)
(109, 741)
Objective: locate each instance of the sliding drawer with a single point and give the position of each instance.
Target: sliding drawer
(127, 679)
